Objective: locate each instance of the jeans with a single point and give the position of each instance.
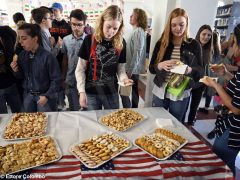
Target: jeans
(73, 98)
(228, 155)
(135, 94)
(176, 108)
(11, 97)
(96, 101)
(30, 103)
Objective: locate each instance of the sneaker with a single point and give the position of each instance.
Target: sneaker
(211, 135)
(203, 110)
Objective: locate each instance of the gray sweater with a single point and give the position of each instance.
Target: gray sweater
(136, 51)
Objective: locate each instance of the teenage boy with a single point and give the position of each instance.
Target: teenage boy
(71, 46)
(60, 29)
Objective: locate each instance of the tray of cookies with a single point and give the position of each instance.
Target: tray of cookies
(161, 144)
(25, 125)
(121, 120)
(99, 149)
(32, 153)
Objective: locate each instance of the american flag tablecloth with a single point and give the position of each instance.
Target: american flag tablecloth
(194, 161)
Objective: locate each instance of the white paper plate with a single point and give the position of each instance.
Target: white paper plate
(124, 85)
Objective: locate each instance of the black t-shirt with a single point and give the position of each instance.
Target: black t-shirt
(108, 59)
(60, 29)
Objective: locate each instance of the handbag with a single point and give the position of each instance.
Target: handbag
(176, 80)
(176, 87)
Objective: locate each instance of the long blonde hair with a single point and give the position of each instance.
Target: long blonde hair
(167, 34)
(111, 13)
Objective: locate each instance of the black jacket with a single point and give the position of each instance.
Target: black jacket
(8, 37)
(190, 54)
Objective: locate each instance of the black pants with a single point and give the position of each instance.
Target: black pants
(208, 101)
(196, 98)
(135, 95)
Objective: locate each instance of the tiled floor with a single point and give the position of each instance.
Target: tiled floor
(203, 127)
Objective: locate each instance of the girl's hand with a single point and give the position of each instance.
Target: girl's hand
(188, 70)
(14, 66)
(128, 82)
(167, 65)
(208, 81)
(83, 100)
(219, 69)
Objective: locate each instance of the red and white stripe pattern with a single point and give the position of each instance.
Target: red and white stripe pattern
(199, 163)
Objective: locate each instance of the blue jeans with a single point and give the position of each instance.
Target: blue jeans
(11, 97)
(176, 108)
(228, 155)
(30, 103)
(96, 101)
(73, 98)
(135, 94)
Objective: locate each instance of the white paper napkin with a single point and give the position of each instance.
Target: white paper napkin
(180, 69)
(162, 122)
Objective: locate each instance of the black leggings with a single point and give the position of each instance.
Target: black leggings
(196, 98)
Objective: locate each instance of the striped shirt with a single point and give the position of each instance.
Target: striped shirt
(175, 55)
(233, 89)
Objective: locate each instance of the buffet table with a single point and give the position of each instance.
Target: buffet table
(194, 161)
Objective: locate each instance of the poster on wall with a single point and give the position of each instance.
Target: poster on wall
(3, 17)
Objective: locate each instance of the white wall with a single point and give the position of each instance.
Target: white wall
(147, 5)
(200, 12)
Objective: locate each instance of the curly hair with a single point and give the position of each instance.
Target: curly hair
(167, 34)
(141, 18)
(111, 13)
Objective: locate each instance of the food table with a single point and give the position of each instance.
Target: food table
(194, 161)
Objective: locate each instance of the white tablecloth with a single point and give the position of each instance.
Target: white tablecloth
(72, 127)
(194, 161)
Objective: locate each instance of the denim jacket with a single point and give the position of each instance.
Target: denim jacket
(40, 72)
(190, 54)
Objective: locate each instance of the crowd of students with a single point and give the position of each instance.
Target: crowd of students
(50, 58)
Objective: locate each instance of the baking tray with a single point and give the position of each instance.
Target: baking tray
(99, 136)
(165, 158)
(57, 148)
(24, 138)
(113, 128)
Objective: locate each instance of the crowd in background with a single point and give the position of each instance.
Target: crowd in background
(49, 58)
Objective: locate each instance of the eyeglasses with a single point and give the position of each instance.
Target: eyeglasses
(76, 24)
